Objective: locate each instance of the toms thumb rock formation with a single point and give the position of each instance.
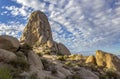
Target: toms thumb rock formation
(38, 34)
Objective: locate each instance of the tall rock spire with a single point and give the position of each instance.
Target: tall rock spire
(38, 34)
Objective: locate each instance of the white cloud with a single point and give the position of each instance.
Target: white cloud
(79, 24)
(17, 11)
(11, 29)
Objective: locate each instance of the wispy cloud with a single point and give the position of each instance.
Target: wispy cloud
(79, 24)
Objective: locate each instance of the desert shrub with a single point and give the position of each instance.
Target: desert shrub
(49, 66)
(5, 73)
(53, 70)
(59, 53)
(102, 77)
(39, 54)
(20, 63)
(47, 77)
(45, 64)
(26, 46)
(16, 72)
(108, 75)
(68, 63)
(33, 76)
(61, 58)
(66, 56)
(74, 77)
(111, 75)
(47, 52)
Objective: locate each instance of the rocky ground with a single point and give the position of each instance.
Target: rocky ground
(38, 56)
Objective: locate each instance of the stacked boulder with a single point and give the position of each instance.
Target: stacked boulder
(8, 45)
(38, 34)
(108, 60)
(104, 59)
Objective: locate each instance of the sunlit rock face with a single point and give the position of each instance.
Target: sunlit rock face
(38, 30)
(107, 60)
(91, 60)
(38, 34)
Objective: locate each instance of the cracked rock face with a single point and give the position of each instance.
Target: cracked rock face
(38, 30)
(38, 34)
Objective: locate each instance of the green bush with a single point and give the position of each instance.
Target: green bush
(108, 75)
(61, 58)
(45, 64)
(53, 70)
(47, 77)
(39, 54)
(20, 63)
(68, 63)
(47, 52)
(27, 46)
(74, 77)
(111, 74)
(5, 73)
(33, 76)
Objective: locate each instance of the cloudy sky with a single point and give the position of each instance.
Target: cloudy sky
(82, 25)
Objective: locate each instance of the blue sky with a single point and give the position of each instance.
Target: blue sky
(82, 25)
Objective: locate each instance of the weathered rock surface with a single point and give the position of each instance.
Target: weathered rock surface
(63, 50)
(34, 61)
(87, 74)
(38, 30)
(91, 60)
(9, 43)
(107, 60)
(38, 34)
(7, 56)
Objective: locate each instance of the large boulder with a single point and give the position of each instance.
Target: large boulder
(38, 34)
(7, 56)
(9, 43)
(87, 74)
(34, 60)
(108, 60)
(63, 49)
(91, 60)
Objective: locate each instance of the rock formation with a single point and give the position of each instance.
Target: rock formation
(107, 60)
(91, 60)
(25, 61)
(38, 34)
